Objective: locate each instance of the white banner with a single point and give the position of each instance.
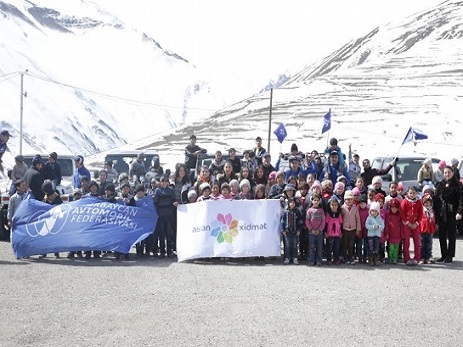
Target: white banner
(240, 228)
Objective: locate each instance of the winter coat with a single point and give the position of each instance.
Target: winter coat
(53, 172)
(450, 194)
(371, 223)
(351, 218)
(364, 213)
(164, 199)
(333, 224)
(291, 221)
(34, 180)
(411, 211)
(315, 219)
(428, 221)
(190, 157)
(394, 228)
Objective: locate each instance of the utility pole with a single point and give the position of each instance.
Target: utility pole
(270, 120)
(21, 115)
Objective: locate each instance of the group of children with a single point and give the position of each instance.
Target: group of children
(359, 229)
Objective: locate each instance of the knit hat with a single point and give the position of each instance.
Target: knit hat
(47, 187)
(333, 198)
(454, 161)
(272, 175)
(165, 178)
(377, 179)
(280, 173)
(442, 164)
(245, 182)
(316, 184)
(19, 158)
(53, 155)
(348, 195)
(140, 188)
(428, 187)
(192, 193)
(225, 186)
(375, 206)
(341, 177)
(356, 191)
(339, 185)
(125, 184)
(204, 186)
(77, 191)
(289, 186)
(333, 153)
(394, 203)
(363, 198)
(37, 160)
(400, 186)
(379, 196)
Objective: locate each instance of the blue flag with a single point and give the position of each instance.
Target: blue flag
(326, 122)
(82, 225)
(414, 134)
(281, 133)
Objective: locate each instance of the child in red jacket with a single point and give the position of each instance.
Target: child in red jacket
(411, 212)
(428, 228)
(394, 230)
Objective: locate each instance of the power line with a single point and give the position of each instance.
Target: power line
(114, 97)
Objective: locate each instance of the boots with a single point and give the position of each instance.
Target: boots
(370, 261)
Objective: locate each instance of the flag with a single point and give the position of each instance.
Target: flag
(326, 122)
(281, 133)
(86, 224)
(414, 134)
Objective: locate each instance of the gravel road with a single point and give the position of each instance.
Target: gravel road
(159, 302)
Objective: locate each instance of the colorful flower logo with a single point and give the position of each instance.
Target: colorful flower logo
(225, 228)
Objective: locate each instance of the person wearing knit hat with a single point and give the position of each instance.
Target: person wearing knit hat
(192, 196)
(454, 162)
(394, 230)
(375, 226)
(316, 188)
(377, 183)
(361, 241)
(339, 189)
(351, 226)
(205, 191)
(245, 191)
(439, 172)
(427, 228)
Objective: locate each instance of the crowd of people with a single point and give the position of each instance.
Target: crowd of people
(332, 205)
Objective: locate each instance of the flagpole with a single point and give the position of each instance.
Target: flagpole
(270, 120)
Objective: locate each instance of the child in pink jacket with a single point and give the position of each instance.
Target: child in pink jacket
(333, 230)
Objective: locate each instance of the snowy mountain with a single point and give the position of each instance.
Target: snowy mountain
(92, 83)
(407, 73)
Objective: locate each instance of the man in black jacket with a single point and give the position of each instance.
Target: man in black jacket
(192, 152)
(34, 178)
(53, 170)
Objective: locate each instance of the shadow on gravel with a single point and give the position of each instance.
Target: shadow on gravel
(456, 265)
(105, 262)
(15, 262)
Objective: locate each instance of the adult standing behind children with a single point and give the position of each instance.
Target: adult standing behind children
(53, 170)
(80, 171)
(334, 147)
(5, 136)
(449, 191)
(259, 150)
(34, 177)
(369, 172)
(137, 168)
(333, 169)
(192, 152)
(19, 169)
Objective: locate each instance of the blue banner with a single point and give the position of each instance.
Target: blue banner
(82, 225)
